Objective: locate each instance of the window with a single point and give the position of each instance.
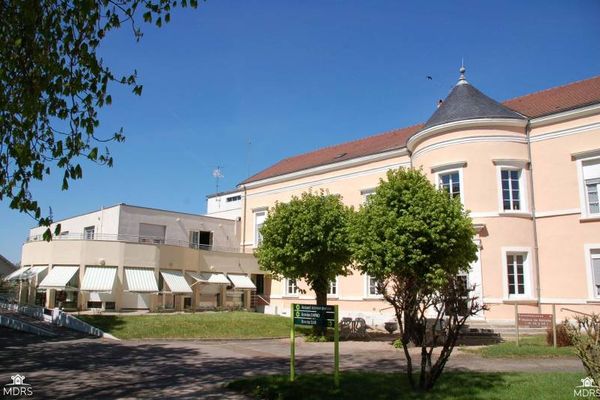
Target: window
(88, 232)
(201, 240)
(591, 181)
(372, 289)
(110, 305)
(259, 220)
(233, 198)
(151, 233)
(94, 304)
(332, 288)
(516, 274)
(511, 189)
(291, 289)
(450, 182)
(595, 262)
(366, 193)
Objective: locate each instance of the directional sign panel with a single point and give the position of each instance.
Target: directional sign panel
(308, 314)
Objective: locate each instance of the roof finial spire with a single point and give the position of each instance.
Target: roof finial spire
(462, 80)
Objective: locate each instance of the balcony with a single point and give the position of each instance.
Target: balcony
(134, 239)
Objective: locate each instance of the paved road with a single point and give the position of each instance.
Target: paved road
(98, 368)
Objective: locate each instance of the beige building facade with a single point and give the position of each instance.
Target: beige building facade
(124, 258)
(527, 169)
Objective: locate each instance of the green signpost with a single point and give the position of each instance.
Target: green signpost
(313, 315)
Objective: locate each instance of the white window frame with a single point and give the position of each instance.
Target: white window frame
(527, 275)
(258, 213)
(286, 284)
(592, 251)
(365, 193)
(87, 230)
(513, 165)
(450, 169)
(367, 289)
(583, 158)
(335, 282)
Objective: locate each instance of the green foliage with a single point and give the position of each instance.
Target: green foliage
(306, 238)
(585, 335)
(563, 338)
(52, 83)
(384, 386)
(415, 240)
(409, 229)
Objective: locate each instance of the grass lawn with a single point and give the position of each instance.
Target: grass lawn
(205, 325)
(379, 386)
(530, 346)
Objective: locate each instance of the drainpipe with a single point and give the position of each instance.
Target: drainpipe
(244, 222)
(536, 251)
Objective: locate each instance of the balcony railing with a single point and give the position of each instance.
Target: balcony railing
(135, 239)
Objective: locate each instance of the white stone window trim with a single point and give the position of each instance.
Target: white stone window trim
(581, 158)
(365, 193)
(286, 292)
(367, 285)
(513, 165)
(527, 273)
(441, 170)
(260, 212)
(337, 289)
(591, 251)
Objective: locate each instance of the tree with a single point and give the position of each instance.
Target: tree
(416, 240)
(306, 238)
(52, 83)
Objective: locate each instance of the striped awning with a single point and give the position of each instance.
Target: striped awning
(210, 277)
(17, 275)
(58, 277)
(99, 279)
(140, 280)
(34, 271)
(176, 281)
(241, 281)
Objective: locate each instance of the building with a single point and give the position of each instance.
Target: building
(528, 169)
(136, 258)
(6, 267)
(225, 205)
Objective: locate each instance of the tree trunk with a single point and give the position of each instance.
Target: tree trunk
(321, 301)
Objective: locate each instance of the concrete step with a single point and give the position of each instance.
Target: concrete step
(44, 325)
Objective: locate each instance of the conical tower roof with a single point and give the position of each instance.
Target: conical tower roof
(466, 102)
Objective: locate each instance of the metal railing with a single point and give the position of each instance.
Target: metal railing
(135, 239)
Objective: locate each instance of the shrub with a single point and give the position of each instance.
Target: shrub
(586, 339)
(563, 338)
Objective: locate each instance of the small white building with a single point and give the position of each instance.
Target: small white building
(225, 204)
(127, 257)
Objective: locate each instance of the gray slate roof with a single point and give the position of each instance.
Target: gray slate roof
(466, 102)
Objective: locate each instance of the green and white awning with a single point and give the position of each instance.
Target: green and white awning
(140, 280)
(99, 279)
(241, 281)
(210, 277)
(58, 277)
(176, 281)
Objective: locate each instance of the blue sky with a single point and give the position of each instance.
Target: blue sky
(242, 84)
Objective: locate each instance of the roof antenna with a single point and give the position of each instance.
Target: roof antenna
(217, 174)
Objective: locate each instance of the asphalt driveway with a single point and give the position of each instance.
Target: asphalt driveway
(99, 368)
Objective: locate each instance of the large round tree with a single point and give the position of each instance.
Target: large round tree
(417, 241)
(306, 238)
